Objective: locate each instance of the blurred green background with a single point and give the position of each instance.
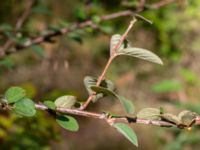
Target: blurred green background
(49, 70)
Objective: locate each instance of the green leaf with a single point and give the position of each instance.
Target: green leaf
(187, 117)
(7, 62)
(96, 19)
(38, 50)
(103, 90)
(172, 118)
(76, 37)
(140, 53)
(67, 122)
(50, 105)
(90, 81)
(127, 104)
(167, 86)
(14, 94)
(149, 113)
(114, 41)
(25, 107)
(127, 132)
(66, 101)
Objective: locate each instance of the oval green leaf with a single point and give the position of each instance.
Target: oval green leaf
(127, 104)
(149, 113)
(14, 94)
(67, 122)
(127, 132)
(25, 107)
(141, 53)
(66, 101)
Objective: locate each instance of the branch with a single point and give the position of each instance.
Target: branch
(101, 77)
(112, 120)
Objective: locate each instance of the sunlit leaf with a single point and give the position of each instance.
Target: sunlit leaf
(127, 132)
(140, 53)
(50, 105)
(25, 107)
(66, 101)
(67, 122)
(149, 113)
(14, 94)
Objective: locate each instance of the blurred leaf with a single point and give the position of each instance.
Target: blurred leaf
(75, 36)
(14, 94)
(50, 105)
(7, 62)
(96, 19)
(127, 104)
(25, 107)
(189, 76)
(6, 27)
(38, 50)
(67, 122)
(167, 86)
(127, 132)
(41, 10)
(149, 113)
(106, 28)
(65, 101)
(140, 53)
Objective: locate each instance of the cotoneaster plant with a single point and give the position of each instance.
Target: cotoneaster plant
(16, 100)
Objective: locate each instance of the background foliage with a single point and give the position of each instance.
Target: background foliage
(50, 70)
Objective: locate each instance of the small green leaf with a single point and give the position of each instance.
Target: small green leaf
(50, 105)
(67, 122)
(25, 107)
(14, 94)
(167, 86)
(102, 90)
(114, 41)
(90, 81)
(149, 113)
(127, 132)
(140, 53)
(96, 19)
(127, 104)
(65, 101)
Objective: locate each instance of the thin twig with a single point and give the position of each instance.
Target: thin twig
(161, 4)
(114, 50)
(48, 36)
(112, 120)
